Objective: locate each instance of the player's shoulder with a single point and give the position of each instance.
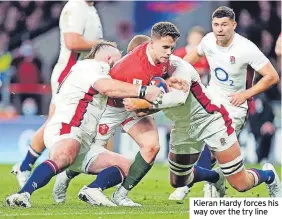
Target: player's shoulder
(73, 5)
(134, 58)
(177, 61)
(243, 41)
(209, 37)
(93, 65)
(181, 64)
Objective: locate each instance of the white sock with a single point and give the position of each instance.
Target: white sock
(122, 191)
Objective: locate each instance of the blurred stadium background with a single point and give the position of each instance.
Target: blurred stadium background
(29, 47)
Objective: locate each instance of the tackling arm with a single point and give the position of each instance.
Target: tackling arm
(119, 89)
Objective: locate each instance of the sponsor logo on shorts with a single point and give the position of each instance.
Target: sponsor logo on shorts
(103, 129)
(222, 141)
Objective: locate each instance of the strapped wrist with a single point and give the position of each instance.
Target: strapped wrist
(142, 91)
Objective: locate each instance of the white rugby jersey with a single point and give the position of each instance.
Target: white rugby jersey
(77, 17)
(228, 65)
(199, 108)
(78, 104)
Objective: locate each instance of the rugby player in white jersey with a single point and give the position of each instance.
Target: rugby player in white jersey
(80, 29)
(64, 178)
(229, 55)
(198, 117)
(81, 100)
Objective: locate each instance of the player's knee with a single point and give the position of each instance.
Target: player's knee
(152, 148)
(124, 166)
(63, 159)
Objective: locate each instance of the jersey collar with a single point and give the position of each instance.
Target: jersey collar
(231, 44)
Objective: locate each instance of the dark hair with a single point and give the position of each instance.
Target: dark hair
(97, 47)
(163, 29)
(137, 41)
(224, 11)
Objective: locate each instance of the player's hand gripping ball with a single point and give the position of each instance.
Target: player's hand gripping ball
(142, 106)
(161, 83)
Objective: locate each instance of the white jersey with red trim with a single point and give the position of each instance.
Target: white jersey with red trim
(228, 65)
(78, 104)
(201, 118)
(76, 17)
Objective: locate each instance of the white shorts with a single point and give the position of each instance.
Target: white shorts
(212, 131)
(112, 118)
(88, 152)
(84, 160)
(52, 136)
(237, 114)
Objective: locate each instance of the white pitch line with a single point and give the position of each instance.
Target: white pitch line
(94, 213)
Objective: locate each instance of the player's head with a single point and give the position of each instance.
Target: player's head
(137, 41)
(164, 36)
(223, 24)
(195, 35)
(105, 51)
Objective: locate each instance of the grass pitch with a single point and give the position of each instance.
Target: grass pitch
(152, 193)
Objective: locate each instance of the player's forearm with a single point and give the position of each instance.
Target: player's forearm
(192, 57)
(77, 42)
(114, 88)
(172, 99)
(263, 84)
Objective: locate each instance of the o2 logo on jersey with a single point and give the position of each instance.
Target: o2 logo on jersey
(223, 76)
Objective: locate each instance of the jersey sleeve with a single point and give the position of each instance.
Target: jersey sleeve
(96, 71)
(257, 59)
(175, 97)
(72, 20)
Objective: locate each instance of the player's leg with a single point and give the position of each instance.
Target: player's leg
(23, 170)
(62, 154)
(110, 120)
(110, 167)
(184, 172)
(184, 153)
(242, 179)
(145, 134)
(207, 161)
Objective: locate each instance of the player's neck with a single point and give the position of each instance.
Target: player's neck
(152, 56)
(227, 43)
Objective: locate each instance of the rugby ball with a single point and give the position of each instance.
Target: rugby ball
(161, 83)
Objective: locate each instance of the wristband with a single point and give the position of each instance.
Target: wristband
(142, 91)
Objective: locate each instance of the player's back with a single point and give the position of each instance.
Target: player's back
(228, 65)
(77, 99)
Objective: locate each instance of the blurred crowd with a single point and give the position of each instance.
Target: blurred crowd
(20, 22)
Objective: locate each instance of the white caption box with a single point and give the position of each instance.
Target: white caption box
(234, 208)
